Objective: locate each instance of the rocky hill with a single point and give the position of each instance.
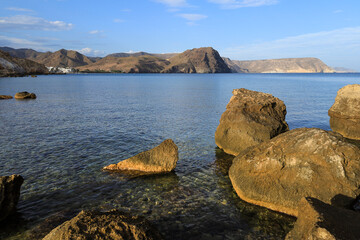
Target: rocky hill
(12, 66)
(197, 60)
(130, 64)
(285, 65)
(137, 54)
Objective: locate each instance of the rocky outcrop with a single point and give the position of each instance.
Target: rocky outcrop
(304, 162)
(345, 112)
(197, 60)
(285, 65)
(320, 221)
(250, 118)
(3, 97)
(162, 158)
(9, 194)
(12, 66)
(108, 225)
(25, 95)
(137, 64)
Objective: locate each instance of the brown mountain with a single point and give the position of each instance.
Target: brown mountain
(139, 64)
(197, 60)
(137, 54)
(12, 66)
(285, 65)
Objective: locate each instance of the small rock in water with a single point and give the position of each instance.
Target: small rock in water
(25, 95)
(4, 97)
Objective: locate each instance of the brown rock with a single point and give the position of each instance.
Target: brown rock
(250, 118)
(321, 221)
(345, 113)
(2, 97)
(109, 225)
(162, 158)
(9, 194)
(25, 95)
(302, 162)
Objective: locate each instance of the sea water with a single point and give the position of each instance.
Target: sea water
(80, 123)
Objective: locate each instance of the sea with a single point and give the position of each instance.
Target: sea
(80, 123)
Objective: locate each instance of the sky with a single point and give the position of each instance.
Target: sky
(238, 29)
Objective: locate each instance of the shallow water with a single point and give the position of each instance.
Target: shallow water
(80, 123)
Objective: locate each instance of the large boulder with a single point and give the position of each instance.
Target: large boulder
(9, 194)
(3, 97)
(162, 158)
(320, 221)
(25, 95)
(250, 118)
(108, 225)
(345, 113)
(302, 162)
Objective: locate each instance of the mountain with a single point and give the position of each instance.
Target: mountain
(343, 70)
(22, 52)
(12, 66)
(197, 60)
(131, 64)
(285, 65)
(137, 54)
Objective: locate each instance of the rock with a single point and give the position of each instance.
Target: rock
(250, 118)
(9, 194)
(162, 158)
(108, 225)
(302, 162)
(318, 220)
(345, 113)
(2, 97)
(25, 95)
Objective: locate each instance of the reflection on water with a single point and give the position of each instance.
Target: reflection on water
(80, 123)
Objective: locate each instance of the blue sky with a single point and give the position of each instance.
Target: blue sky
(239, 29)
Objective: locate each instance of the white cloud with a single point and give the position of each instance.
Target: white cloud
(91, 52)
(117, 20)
(18, 9)
(95, 32)
(192, 17)
(32, 23)
(232, 4)
(173, 3)
(22, 43)
(337, 47)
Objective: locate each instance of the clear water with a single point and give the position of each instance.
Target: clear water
(80, 123)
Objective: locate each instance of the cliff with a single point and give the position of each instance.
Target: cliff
(197, 60)
(285, 65)
(12, 66)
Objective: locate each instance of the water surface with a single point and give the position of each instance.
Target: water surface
(80, 123)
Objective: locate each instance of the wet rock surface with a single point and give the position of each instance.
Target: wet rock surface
(162, 158)
(109, 225)
(302, 162)
(345, 112)
(9, 194)
(25, 95)
(250, 118)
(318, 220)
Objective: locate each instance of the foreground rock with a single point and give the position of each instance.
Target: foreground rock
(250, 118)
(25, 95)
(302, 162)
(9, 194)
(162, 158)
(2, 97)
(345, 113)
(109, 225)
(318, 220)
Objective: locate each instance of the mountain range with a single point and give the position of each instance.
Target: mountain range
(197, 60)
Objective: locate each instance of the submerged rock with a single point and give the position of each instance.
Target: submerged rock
(250, 118)
(162, 158)
(345, 112)
(108, 225)
(9, 194)
(318, 220)
(25, 95)
(2, 97)
(302, 162)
